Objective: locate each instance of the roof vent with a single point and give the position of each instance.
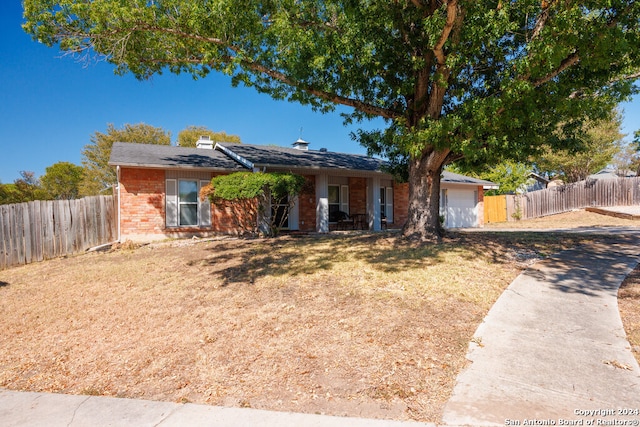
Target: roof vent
(205, 142)
(323, 150)
(301, 144)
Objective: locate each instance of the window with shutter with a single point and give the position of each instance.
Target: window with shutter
(171, 203)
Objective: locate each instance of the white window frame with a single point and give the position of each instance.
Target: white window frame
(181, 203)
(386, 203)
(173, 204)
(343, 198)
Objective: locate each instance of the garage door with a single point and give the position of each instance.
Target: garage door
(461, 208)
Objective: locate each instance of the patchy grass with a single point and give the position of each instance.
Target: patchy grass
(352, 324)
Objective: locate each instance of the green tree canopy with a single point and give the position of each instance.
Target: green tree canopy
(457, 79)
(9, 194)
(510, 175)
(62, 180)
(99, 177)
(27, 188)
(596, 145)
(189, 136)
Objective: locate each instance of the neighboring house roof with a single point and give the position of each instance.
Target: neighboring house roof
(229, 156)
(454, 178)
(608, 173)
(167, 156)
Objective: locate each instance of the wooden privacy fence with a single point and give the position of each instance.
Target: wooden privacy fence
(40, 230)
(579, 195)
(495, 208)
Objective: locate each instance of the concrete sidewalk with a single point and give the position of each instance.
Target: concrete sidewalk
(20, 409)
(553, 345)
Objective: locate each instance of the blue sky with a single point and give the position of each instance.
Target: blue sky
(51, 105)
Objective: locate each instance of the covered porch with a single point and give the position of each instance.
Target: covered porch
(343, 202)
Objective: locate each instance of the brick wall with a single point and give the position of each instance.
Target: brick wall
(141, 202)
(480, 207)
(142, 207)
(400, 203)
(357, 195)
(307, 207)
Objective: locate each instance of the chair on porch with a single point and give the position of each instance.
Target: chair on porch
(342, 220)
(360, 221)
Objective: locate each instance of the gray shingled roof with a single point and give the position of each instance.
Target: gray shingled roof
(273, 156)
(258, 156)
(454, 178)
(167, 156)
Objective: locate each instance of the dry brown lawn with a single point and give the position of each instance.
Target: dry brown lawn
(350, 324)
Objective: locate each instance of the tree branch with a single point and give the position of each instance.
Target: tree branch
(274, 74)
(542, 20)
(452, 12)
(568, 62)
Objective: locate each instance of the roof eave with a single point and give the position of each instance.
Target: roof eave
(170, 167)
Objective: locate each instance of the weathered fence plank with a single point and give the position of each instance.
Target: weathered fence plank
(18, 226)
(41, 230)
(48, 237)
(4, 249)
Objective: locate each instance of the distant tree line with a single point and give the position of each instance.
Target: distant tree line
(65, 180)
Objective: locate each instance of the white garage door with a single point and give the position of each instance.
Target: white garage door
(461, 208)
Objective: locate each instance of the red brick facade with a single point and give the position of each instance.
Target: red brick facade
(480, 206)
(141, 201)
(307, 205)
(142, 207)
(400, 204)
(357, 196)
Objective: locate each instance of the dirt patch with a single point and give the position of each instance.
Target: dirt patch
(356, 325)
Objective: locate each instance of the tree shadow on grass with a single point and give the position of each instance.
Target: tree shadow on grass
(244, 261)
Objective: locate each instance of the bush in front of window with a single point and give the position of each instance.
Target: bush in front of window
(262, 200)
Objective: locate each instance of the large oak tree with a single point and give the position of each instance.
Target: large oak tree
(473, 80)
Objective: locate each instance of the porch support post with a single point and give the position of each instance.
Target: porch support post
(264, 218)
(374, 203)
(322, 203)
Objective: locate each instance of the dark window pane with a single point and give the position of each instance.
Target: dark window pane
(188, 214)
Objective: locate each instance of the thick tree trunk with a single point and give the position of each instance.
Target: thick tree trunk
(423, 221)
